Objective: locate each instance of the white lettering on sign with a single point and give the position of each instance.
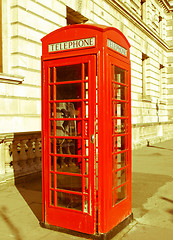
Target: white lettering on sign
(116, 47)
(80, 43)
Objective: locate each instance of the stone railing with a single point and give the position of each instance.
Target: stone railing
(20, 155)
(150, 133)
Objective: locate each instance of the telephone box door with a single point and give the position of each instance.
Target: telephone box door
(69, 156)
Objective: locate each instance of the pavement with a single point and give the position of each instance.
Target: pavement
(152, 202)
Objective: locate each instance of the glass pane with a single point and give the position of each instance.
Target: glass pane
(114, 144)
(120, 109)
(69, 146)
(51, 75)
(52, 163)
(68, 128)
(86, 184)
(119, 74)
(51, 128)
(68, 164)
(51, 92)
(86, 153)
(52, 198)
(52, 180)
(86, 90)
(121, 143)
(118, 126)
(67, 182)
(69, 73)
(120, 194)
(86, 71)
(51, 110)
(68, 200)
(52, 145)
(86, 109)
(86, 133)
(120, 177)
(68, 110)
(113, 90)
(68, 91)
(86, 166)
(97, 183)
(120, 160)
(120, 92)
(86, 204)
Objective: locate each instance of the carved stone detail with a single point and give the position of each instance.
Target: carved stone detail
(21, 154)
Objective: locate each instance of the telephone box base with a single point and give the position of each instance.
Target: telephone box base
(102, 236)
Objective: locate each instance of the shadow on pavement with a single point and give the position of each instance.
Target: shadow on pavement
(170, 201)
(5, 216)
(31, 191)
(169, 149)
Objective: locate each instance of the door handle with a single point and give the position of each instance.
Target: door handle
(92, 138)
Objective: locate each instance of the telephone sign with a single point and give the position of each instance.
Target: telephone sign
(73, 44)
(116, 47)
(86, 130)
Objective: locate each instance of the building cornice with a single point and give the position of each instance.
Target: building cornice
(166, 5)
(127, 12)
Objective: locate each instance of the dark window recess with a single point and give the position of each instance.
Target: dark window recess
(74, 17)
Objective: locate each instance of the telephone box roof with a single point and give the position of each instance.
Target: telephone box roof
(96, 27)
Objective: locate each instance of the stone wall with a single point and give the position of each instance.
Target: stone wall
(170, 64)
(151, 133)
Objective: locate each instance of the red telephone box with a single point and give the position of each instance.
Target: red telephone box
(86, 129)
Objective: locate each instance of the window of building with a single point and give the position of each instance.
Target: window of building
(74, 17)
(6, 76)
(145, 89)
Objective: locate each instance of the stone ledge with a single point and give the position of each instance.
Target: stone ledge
(136, 125)
(4, 137)
(11, 79)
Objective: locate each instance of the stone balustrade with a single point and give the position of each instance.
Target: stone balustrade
(20, 155)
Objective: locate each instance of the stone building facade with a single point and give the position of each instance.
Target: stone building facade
(148, 26)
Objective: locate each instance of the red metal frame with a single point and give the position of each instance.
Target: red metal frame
(104, 213)
(53, 210)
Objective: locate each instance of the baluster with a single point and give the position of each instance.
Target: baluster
(8, 158)
(2, 161)
(15, 155)
(30, 155)
(37, 154)
(22, 155)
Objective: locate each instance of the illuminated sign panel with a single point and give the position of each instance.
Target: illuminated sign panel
(116, 47)
(69, 45)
